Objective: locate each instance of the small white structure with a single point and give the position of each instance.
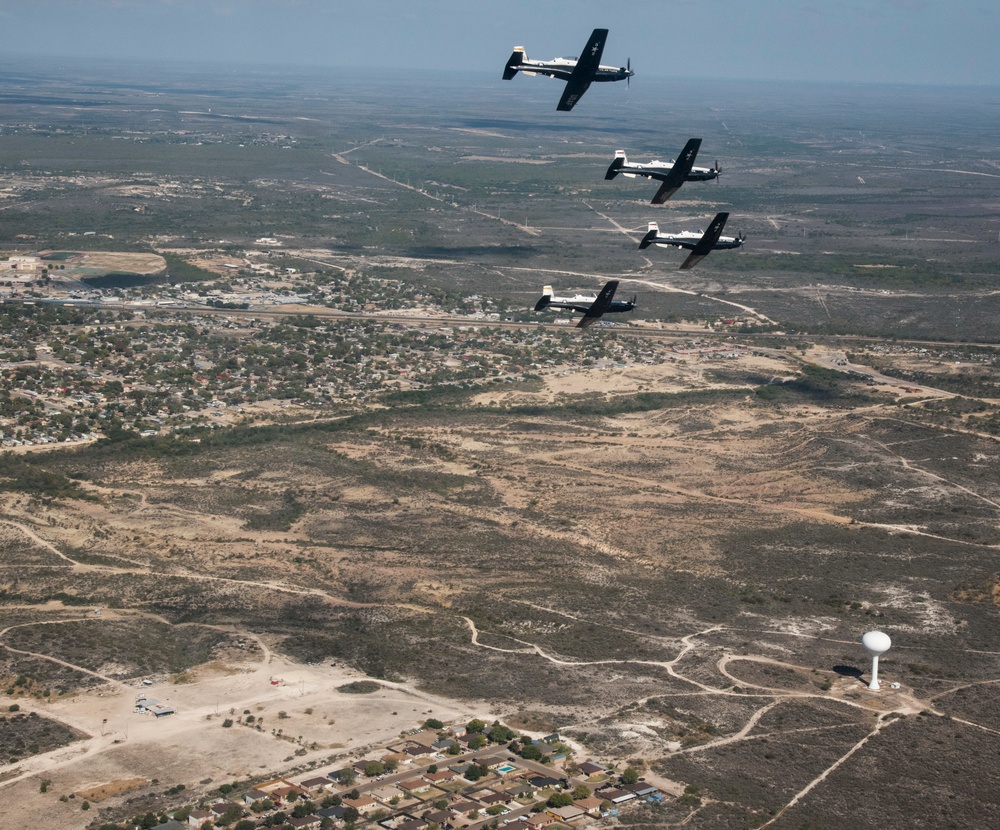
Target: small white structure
(876, 644)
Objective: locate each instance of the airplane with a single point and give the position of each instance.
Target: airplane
(672, 174)
(699, 244)
(592, 308)
(578, 73)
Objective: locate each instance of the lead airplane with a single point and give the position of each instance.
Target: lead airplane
(592, 308)
(578, 73)
(699, 244)
(672, 173)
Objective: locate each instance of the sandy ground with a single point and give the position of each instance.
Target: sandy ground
(106, 261)
(192, 745)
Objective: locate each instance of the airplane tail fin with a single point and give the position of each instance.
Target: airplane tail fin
(651, 234)
(619, 162)
(545, 299)
(514, 62)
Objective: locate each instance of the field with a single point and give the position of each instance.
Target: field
(672, 562)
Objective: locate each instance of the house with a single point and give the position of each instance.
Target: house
(590, 805)
(196, 818)
(614, 795)
(396, 821)
(522, 790)
(417, 750)
(539, 820)
(641, 789)
(222, 807)
(568, 813)
(401, 758)
(589, 768)
(411, 786)
(366, 805)
(385, 794)
(335, 813)
(439, 776)
(250, 796)
(463, 808)
(310, 822)
(317, 785)
(280, 788)
(542, 781)
(169, 825)
(337, 775)
(492, 797)
(443, 818)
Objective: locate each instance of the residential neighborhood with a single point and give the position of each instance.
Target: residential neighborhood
(435, 778)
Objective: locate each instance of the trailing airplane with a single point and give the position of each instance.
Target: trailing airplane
(699, 244)
(592, 308)
(578, 73)
(672, 173)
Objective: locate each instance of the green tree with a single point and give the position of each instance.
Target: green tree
(559, 800)
(500, 734)
(630, 776)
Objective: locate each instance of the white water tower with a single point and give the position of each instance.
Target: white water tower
(876, 644)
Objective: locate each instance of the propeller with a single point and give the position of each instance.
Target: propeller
(632, 303)
(628, 73)
(718, 171)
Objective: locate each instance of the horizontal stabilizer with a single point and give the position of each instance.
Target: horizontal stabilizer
(545, 299)
(514, 63)
(650, 237)
(615, 166)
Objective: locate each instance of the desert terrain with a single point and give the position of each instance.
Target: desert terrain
(675, 582)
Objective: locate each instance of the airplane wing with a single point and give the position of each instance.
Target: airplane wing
(692, 260)
(706, 243)
(584, 71)
(679, 172)
(573, 93)
(711, 236)
(600, 305)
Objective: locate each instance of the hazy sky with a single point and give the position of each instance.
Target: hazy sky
(897, 41)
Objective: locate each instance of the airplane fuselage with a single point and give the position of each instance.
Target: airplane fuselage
(660, 170)
(581, 303)
(689, 239)
(562, 68)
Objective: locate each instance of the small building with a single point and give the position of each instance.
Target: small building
(364, 804)
(251, 796)
(568, 813)
(160, 710)
(439, 776)
(317, 785)
(590, 805)
(413, 786)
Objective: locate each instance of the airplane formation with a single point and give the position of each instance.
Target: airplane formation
(579, 73)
